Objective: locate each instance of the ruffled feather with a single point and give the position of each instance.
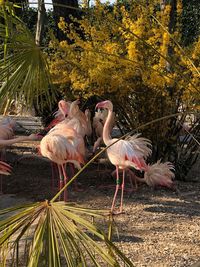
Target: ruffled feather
(160, 174)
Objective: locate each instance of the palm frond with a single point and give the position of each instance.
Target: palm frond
(58, 231)
(24, 69)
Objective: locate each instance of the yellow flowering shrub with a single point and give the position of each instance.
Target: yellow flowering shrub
(122, 53)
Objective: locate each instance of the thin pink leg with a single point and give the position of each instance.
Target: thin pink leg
(53, 175)
(61, 184)
(71, 169)
(3, 158)
(132, 177)
(117, 188)
(72, 172)
(65, 181)
(1, 185)
(122, 193)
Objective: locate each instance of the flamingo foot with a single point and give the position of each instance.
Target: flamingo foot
(117, 212)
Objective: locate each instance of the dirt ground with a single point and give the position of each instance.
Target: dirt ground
(159, 228)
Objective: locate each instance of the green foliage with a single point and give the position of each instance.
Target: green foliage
(23, 68)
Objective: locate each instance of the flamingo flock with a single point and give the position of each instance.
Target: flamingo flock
(65, 144)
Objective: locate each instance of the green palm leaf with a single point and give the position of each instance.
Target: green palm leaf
(23, 68)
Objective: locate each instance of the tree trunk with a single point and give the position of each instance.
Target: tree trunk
(40, 22)
(171, 29)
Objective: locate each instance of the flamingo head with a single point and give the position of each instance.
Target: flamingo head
(105, 104)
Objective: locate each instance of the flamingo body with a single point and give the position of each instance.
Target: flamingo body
(124, 154)
(59, 150)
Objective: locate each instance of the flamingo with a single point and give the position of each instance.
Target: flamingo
(7, 134)
(62, 145)
(124, 153)
(69, 116)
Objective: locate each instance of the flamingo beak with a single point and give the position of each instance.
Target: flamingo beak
(100, 105)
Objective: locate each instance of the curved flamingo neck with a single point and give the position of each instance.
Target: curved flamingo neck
(106, 131)
(62, 109)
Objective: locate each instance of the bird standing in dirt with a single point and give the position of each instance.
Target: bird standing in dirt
(124, 153)
(61, 145)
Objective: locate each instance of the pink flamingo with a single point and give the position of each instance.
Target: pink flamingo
(62, 145)
(7, 136)
(69, 116)
(124, 153)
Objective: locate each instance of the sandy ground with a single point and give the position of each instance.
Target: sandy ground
(159, 228)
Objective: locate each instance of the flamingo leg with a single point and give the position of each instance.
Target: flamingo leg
(65, 180)
(61, 179)
(1, 185)
(117, 188)
(3, 158)
(72, 171)
(122, 193)
(53, 174)
(97, 144)
(131, 176)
